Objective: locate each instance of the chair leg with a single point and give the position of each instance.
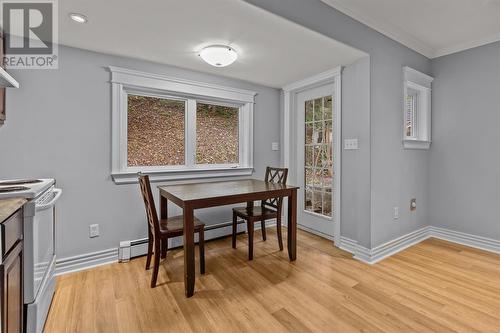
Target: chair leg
(201, 244)
(263, 228)
(235, 226)
(156, 264)
(278, 230)
(164, 248)
(150, 251)
(250, 239)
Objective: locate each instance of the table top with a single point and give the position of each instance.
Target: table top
(200, 191)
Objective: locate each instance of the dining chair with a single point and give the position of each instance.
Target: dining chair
(268, 209)
(159, 231)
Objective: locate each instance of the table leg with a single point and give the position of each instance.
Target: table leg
(292, 225)
(163, 207)
(189, 271)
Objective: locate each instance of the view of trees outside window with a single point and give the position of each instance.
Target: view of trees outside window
(318, 167)
(216, 134)
(156, 132)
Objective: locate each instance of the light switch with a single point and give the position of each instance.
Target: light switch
(275, 146)
(395, 213)
(351, 144)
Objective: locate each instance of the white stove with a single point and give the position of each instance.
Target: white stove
(39, 245)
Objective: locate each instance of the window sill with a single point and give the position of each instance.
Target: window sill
(130, 177)
(416, 144)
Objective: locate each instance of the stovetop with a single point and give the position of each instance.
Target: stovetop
(24, 188)
(19, 182)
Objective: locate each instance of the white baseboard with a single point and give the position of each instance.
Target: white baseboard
(348, 244)
(94, 259)
(374, 255)
(369, 256)
(314, 232)
(85, 261)
(380, 252)
(478, 242)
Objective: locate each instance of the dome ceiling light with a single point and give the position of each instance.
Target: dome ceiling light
(219, 55)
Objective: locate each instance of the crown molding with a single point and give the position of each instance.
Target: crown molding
(386, 29)
(407, 39)
(465, 46)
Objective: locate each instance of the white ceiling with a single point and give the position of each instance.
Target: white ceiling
(431, 27)
(272, 51)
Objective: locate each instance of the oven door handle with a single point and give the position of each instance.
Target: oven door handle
(57, 193)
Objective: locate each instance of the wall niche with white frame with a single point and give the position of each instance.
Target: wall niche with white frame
(416, 109)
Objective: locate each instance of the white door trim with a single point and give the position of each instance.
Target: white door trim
(290, 92)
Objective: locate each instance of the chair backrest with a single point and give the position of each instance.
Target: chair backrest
(153, 222)
(278, 176)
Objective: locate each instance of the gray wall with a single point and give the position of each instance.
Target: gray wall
(59, 125)
(465, 152)
(396, 175)
(355, 197)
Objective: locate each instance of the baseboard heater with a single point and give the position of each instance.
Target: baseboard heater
(139, 247)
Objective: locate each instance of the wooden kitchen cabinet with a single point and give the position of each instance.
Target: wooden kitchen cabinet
(11, 273)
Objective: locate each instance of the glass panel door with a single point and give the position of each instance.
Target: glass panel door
(318, 156)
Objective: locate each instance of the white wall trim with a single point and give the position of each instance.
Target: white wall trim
(127, 81)
(407, 39)
(315, 232)
(478, 242)
(380, 252)
(161, 82)
(290, 92)
(389, 30)
(348, 244)
(369, 256)
(465, 46)
(94, 259)
(86, 261)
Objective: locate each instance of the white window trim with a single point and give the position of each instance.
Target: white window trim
(125, 81)
(422, 84)
(290, 92)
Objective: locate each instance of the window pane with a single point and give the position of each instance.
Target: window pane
(309, 156)
(155, 134)
(309, 132)
(327, 107)
(318, 109)
(309, 111)
(216, 134)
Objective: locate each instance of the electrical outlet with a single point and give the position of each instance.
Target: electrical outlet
(413, 204)
(395, 213)
(93, 230)
(275, 146)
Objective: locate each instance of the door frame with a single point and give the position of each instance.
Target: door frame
(290, 92)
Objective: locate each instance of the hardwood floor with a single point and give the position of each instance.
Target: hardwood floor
(434, 286)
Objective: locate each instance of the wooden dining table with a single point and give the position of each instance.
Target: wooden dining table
(204, 195)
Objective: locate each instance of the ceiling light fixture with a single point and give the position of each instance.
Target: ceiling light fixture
(78, 18)
(219, 55)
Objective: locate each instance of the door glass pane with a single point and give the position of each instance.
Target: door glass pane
(217, 137)
(318, 161)
(155, 131)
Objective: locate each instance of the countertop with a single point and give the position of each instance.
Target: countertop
(10, 206)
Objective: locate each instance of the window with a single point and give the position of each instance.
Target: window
(417, 109)
(411, 114)
(178, 129)
(216, 134)
(155, 131)
(318, 168)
